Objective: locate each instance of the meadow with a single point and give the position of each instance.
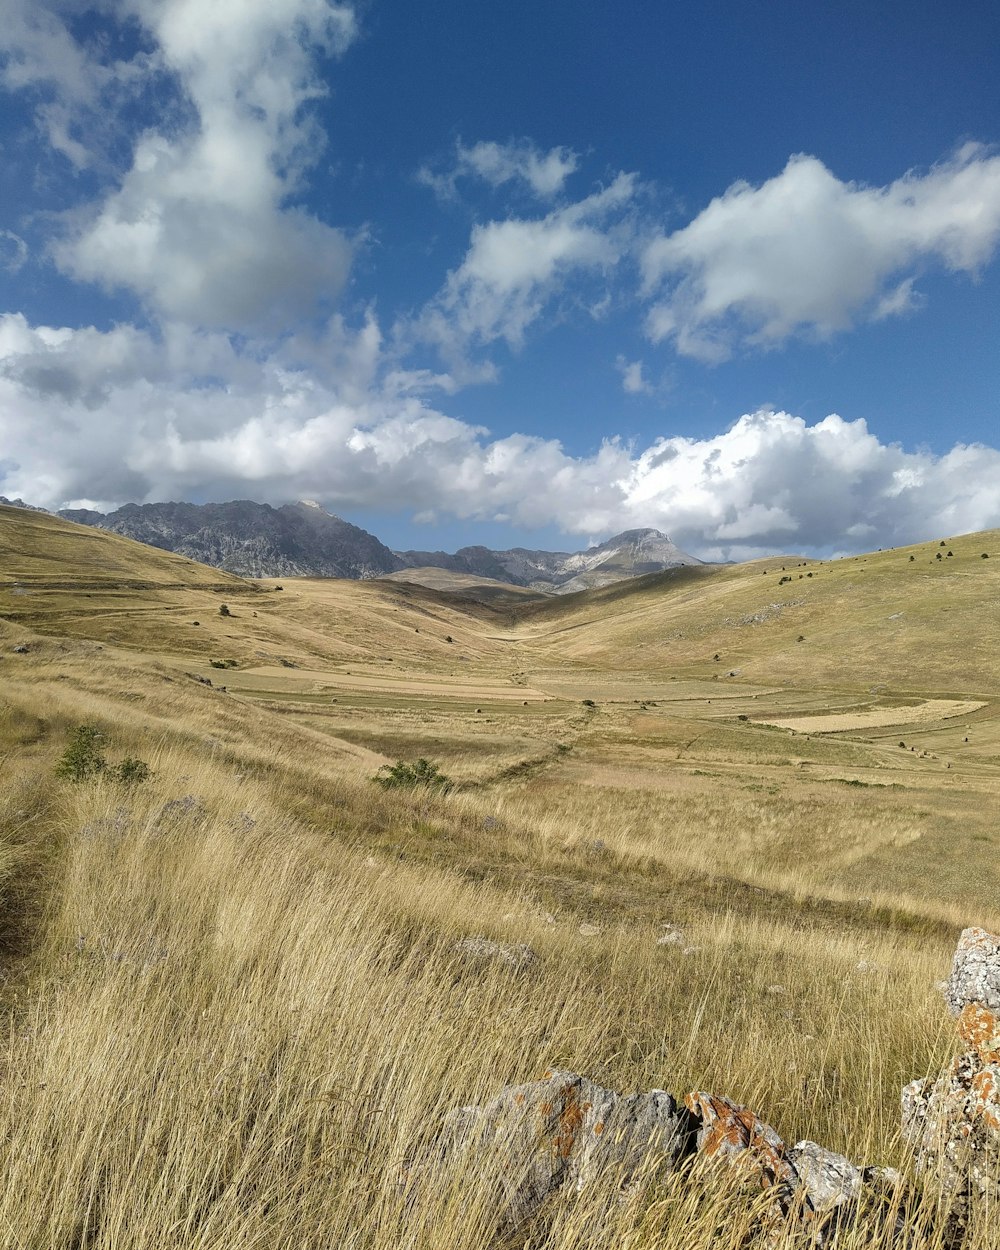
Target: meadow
(233, 1003)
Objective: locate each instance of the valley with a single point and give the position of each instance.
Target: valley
(795, 764)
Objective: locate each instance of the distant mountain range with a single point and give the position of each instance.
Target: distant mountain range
(304, 540)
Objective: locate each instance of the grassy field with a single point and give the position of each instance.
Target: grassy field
(233, 1006)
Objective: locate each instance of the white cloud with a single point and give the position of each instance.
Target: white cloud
(123, 416)
(633, 381)
(514, 268)
(808, 254)
(520, 161)
(199, 226)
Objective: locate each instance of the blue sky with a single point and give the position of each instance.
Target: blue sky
(521, 273)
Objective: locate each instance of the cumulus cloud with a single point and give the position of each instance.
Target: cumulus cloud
(807, 254)
(200, 225)
(514, 268)
(520, 161)
(120, 415)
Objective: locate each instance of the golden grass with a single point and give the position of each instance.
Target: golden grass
(233, 1006)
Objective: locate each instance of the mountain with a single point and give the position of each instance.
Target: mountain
(629, 554)
(303, 540)
(252, 539)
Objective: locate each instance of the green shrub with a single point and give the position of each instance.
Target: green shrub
(83, 757)
(217, 663)
(131, 771)
(224, 610)
(409, 776)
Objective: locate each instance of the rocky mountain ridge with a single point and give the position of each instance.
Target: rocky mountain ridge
(304, 540)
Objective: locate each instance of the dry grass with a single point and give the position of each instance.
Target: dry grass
(232, 1003)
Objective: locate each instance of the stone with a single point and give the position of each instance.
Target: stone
(953, 1122)
(953, 1119)
(730, 1131)
(975, 972)
(563, 1131)
(830, 1180)
(486, 950)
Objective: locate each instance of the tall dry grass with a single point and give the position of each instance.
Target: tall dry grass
(232, 1030)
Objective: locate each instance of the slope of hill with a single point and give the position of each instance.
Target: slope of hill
(914, 617)
(220, 981)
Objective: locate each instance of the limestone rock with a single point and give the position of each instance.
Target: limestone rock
(975, 972)
(729, 1131)
(830, 1180)
(953, 1119)
(486, 950)
(564, 1130)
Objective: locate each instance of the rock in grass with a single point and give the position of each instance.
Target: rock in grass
(485, 950)
(975, 972)
(563, 1131)
(829, 1179)
(730, 1131)
(953, 1119)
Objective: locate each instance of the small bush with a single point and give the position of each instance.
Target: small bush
(224, 609)
(403, 775)
(589, 703)
(448, 638)
(217, 663)
(131, 771)
(83, 757)
(985, 555)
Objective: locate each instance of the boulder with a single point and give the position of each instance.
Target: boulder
(829, 1180)
(953, 1119)
(975, 972)
(562, 1131)
(729, 1131)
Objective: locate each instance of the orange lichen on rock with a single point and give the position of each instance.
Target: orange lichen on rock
(569, 1120)
(986, 1089)
(727, 1129)
(980, 1029)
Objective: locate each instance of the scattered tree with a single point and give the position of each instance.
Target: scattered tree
(224, 610)
(83, 757)
(403, 775)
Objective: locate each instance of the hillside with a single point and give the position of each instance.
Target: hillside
(222, 983)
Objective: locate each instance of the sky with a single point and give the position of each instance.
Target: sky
(514, 274)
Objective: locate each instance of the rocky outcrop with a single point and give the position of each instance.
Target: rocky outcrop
(565, 1133)
(560, 1132)
(953, 1119)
